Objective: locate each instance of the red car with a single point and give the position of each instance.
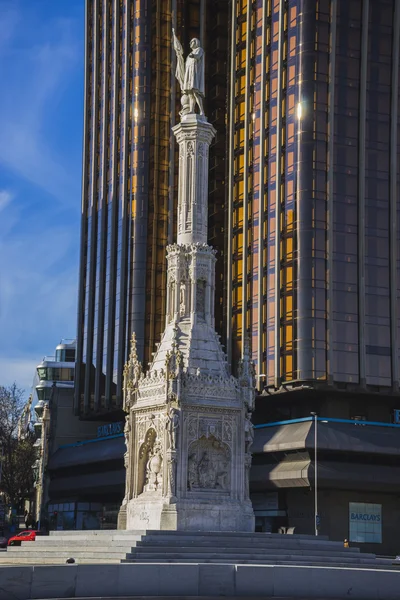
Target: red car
(24, 536)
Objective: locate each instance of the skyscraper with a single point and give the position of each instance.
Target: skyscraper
(313, 191)
(303, 187)
(303, 209)
(128, 185)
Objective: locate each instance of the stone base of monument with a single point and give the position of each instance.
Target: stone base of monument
(189, 515)
(122, 517)
(175, 563)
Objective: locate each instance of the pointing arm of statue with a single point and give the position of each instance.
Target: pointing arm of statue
(177, 45)
(180, 64)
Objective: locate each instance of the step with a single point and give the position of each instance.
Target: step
(92, 538)
(96, 532)
(70, 549)
(268, 563)
(233, 534)
(239, 556)
(237, 543)
(143, 547)
(79, 553)
(59, 561)
(338, 547)
(91, 541)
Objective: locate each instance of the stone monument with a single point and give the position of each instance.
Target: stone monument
(188, 431)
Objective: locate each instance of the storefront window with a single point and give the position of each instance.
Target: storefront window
(365, 523)
(82, 515)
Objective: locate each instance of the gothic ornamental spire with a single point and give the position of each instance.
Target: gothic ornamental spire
(189, 432)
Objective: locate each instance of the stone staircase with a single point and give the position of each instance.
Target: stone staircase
(112, 547)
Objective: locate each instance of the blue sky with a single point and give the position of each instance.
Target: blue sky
(41, 116)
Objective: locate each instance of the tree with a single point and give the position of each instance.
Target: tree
(18, 453)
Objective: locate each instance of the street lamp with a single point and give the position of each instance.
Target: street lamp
(316, 517)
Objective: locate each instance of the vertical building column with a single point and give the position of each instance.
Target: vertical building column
(207, 310)
(305, 201)
(177, 290)
(141, 100)
(393, 195)
(168, 303)
(123, 352)
(93, 211)
(230, 185)
(246, 178)
(203, 8)
(172, 149)
(114, 219)
(278, 202)
(261, 345)
(152, 267)
(81, 294)
(193, 295)
(330, 175)
(103, 224)
(361, 192)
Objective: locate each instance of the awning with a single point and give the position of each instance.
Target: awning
(95, 483)
(87, 453)
(291, 471)
(281, 438)
(295, 471)
(342, 437)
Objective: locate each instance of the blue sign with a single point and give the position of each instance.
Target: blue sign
(373, 518)
(318, 520)
(396, 416)
(110, 429)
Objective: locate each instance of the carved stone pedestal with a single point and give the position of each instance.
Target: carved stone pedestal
(188, 431)
(200, 482)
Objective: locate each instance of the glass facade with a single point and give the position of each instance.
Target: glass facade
(313, 200)
(365, 522)
(303, 191)
(56, 373)
(129, 179)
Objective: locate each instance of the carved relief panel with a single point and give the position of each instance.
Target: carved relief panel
(209, 465)
(209, 457)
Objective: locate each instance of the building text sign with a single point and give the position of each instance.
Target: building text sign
(365, 522)
(110, 429)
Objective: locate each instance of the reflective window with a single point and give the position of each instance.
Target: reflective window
(365, 523)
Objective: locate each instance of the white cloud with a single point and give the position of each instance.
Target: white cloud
(5, 198)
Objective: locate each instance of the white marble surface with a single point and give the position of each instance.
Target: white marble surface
(192, 474)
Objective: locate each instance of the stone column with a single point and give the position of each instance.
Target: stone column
(194, 135)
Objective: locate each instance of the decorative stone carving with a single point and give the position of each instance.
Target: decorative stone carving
(153, 469)
(127, 430)
(172, 461)
(190, 431)
(132, 374)
(190, 149)
(209, 465)
(200, 299)
(248, 433)
(190, 75)
(172, 426)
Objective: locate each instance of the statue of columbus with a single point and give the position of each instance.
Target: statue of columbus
(190, 75)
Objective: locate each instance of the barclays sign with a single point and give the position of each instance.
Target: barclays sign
(372, 518)
(110, 429)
